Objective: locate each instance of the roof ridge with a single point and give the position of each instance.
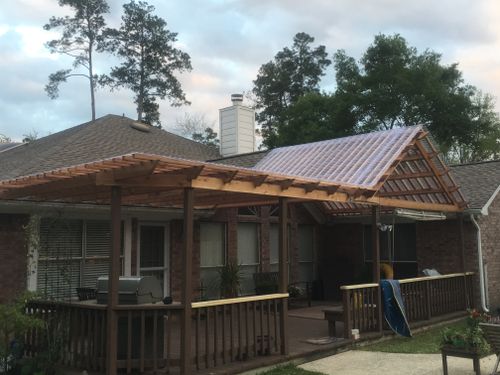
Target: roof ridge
(343, 138)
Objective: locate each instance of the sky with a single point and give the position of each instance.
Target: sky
(228, 40)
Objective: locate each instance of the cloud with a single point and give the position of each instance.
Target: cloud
(228, 40)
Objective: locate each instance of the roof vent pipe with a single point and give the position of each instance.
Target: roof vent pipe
(480, 261)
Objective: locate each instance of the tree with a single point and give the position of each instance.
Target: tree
(5, 139)
(81, 37)
(149, 60)
(196, 127)
(315, 117)
(292, 73)
(30, 136)
(208, 137)
(192, 123)
(393, 85)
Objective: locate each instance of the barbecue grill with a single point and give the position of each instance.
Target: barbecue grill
(131, 290)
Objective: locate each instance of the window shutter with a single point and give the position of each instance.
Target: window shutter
(60, 256)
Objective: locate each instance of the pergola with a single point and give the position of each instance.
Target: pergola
(415, 178)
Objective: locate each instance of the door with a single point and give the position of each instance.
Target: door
(154, 253)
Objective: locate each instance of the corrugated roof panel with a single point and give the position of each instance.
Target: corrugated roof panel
(359, 160)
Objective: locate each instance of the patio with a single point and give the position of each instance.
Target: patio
(189, 336)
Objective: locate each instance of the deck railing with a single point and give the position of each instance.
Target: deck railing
(237, 329)
(223, 331)
(425, 298)
(148, 335)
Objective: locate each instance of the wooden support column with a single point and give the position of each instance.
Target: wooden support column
(376, 261)
(113, 279)
(283, 268)
(187, 282)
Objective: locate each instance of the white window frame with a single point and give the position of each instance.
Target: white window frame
(166, 253)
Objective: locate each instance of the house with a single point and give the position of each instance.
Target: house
(55, 198)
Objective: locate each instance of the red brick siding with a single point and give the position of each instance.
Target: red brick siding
(231, 218)
(13, 255)
(340, 260)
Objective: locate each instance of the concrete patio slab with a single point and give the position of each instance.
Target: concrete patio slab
(356, 362)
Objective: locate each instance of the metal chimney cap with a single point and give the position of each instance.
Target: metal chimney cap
(237, 98)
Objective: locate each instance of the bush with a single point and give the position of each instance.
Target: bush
(14, 325)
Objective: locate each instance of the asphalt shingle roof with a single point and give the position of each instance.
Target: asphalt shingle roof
(103, 138)
(248, 160)
(7, 146)
(477, 181)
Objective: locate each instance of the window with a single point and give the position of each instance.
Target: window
(274, 247)
(248, 255)
(306, 252)
(212, 257)
(73, 253)
(153, 253)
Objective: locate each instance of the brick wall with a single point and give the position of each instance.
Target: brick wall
(340, 261)
(231, 218)
(13, 255)
(490, 241)
(438, 246)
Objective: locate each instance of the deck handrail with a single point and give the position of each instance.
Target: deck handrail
(92, 305)
(404, 281)
(424, 278)
(231, 301)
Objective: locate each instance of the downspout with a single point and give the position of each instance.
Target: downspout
(481, 265)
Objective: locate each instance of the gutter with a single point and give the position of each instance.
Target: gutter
(482, 287)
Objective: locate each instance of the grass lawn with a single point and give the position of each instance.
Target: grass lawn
(426, 342)
(289, 370)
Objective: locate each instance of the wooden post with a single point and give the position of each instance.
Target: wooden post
(346, 301)
(187, 285)
(283, 268)
(376, 262)
(113, 279)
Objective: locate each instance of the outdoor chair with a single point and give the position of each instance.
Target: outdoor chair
(266, 282)
(492, 333)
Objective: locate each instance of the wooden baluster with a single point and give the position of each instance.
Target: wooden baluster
(261, 306)
(240, 329)
(275, 315)
(268, 310)
(231, 331)
(168, 333)
(224, 334)
(96, 340)
(207, 338)
(104, 322)
(254, 309)
(143, 341)
(197, 339)
(155, 341)
(428, 299)
(247, 332)
(216, 346)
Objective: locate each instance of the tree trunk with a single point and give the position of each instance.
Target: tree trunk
(92, 86)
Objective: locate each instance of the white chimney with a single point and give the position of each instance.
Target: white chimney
(237, 128)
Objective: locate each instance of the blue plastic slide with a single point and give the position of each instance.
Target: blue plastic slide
(394, 309)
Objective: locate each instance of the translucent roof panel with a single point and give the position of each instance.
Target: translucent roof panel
(359, 160)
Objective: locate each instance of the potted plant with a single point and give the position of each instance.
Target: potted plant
(468, 340)
(230, 280)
